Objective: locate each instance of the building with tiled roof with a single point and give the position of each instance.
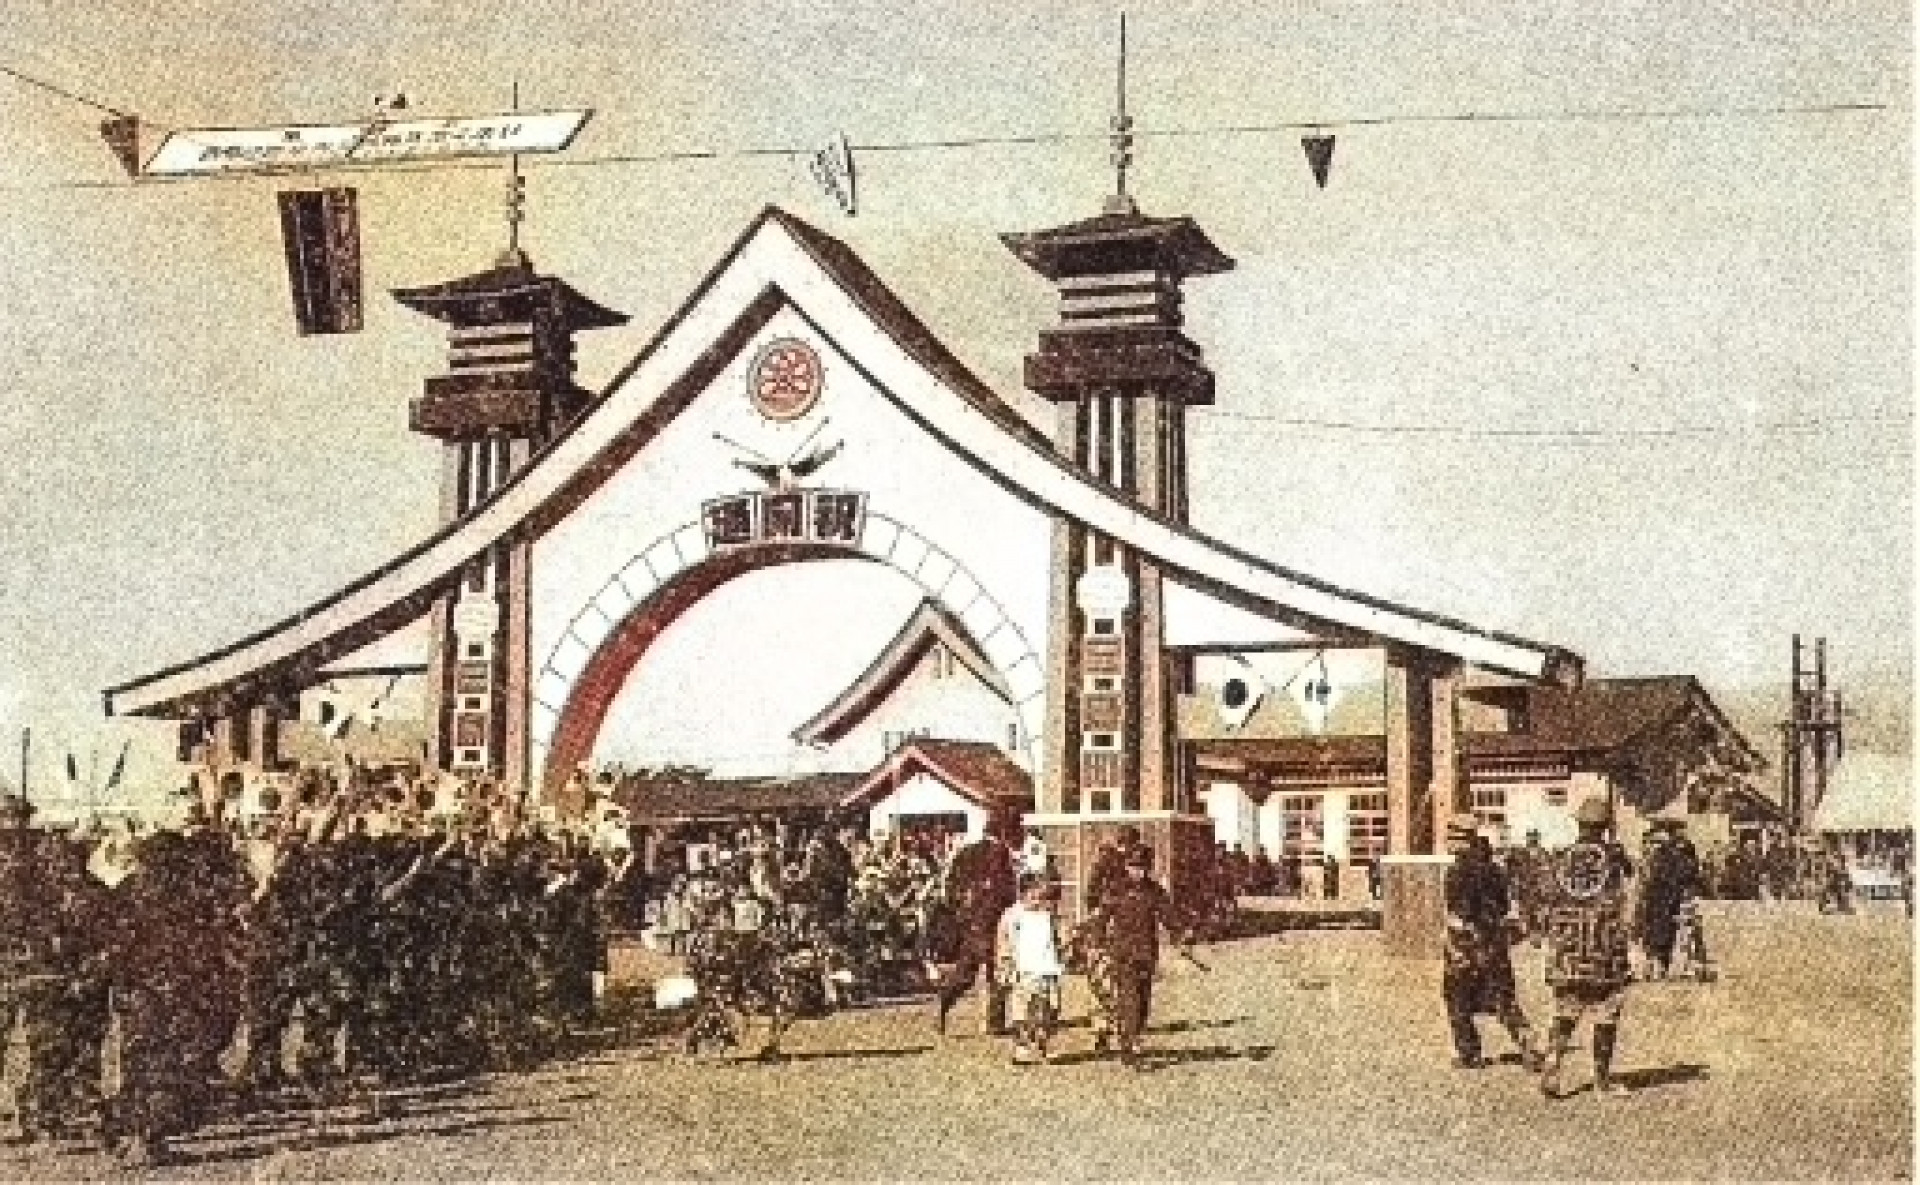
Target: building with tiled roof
(1655, 747)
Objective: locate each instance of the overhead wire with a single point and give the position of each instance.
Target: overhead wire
(949, 143)
(1576, 435)
(1572, 435)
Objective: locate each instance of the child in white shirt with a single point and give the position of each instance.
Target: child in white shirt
(1028, 960)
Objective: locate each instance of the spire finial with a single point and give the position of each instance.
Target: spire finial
(516, 202)
(1121, 202)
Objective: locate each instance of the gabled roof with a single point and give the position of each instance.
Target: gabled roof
(764, 272)
(975, 770)
(928, 626)
(1607, 714)
(1599, 719)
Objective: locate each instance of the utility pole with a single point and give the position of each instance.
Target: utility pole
(1811, 736)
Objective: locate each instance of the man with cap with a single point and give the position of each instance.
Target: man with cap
(1526, 872)
(1588, 917)
(980, 886)
(1478, 973)
(1122, 934)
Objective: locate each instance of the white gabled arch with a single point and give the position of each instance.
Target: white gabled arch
(638, 588)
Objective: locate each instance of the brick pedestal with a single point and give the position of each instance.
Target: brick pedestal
(1413, 913)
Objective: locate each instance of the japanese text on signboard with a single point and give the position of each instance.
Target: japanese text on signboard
(790, 516)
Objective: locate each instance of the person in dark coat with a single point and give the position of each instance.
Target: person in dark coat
(1122, 938)
(1110, 864)
(1477, 976)
(1670, 880)
(1266, 876)
(981, 884)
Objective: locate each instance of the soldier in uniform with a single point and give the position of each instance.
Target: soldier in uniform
(1478, 972)
(980, 887)
(1588, 922)
(1122, 937)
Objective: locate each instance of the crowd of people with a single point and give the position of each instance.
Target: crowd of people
(352, 940)
(345, 943)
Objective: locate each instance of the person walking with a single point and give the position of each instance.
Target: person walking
(1124, 949)
(980, 886)
(1589, 909)
(1027, 959)
(1668, 884)
(1477, 976)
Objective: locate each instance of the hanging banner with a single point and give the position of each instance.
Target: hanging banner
(320, 229)
(204, 151)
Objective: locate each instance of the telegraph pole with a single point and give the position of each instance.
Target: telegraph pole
(1811, 736)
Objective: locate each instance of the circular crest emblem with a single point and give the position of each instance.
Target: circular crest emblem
(785, 381)
(1585, 871)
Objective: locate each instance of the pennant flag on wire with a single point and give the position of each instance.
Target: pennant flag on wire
(832, 167)
(122, 134)
(1319, 150)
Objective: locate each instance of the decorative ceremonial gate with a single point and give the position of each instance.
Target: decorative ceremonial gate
(792, 356)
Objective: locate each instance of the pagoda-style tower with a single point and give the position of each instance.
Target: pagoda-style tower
(509, 388)
(1121, 374)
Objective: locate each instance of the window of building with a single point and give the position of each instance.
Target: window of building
(1490, 807)
(476, 649)
(1102, 684)
(1105, 627)
(1301, 825)
(1366, 826)
(472, 703)
(1554, 793)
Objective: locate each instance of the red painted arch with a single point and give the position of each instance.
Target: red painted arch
(599, 682)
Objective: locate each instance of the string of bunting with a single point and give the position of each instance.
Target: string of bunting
(832, 166)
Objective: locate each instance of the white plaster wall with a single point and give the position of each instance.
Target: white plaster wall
(1235, 820)
(924, 795)
(959, 707)
(999, 541)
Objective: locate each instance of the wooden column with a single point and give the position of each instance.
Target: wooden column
(442, 655)
(1410, 753)
(1060, 743)
(1450, 793)
(1412, 910)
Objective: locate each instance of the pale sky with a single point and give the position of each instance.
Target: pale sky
(182, 468)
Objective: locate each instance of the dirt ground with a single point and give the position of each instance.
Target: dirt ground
(1310, 1055)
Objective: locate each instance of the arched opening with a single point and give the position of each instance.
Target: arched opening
(581, 679)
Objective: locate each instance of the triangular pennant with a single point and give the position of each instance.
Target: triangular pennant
(1319, 150)
(122, 134)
